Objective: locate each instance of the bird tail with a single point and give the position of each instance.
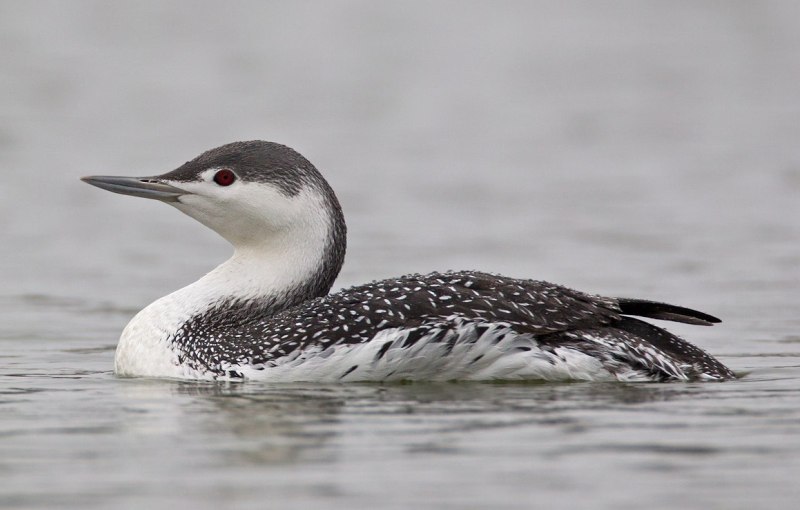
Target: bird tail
(664, 311)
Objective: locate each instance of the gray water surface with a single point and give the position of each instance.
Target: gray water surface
(645, 149)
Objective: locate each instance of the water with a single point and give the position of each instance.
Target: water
(641, 149)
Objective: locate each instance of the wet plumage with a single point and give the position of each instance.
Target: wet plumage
(447, 309)
(252, 319)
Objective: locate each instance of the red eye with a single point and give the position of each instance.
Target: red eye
(224, 177)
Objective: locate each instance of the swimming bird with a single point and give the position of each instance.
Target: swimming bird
(266, 313)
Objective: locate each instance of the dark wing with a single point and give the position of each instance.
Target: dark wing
(530, 306)
(634, 345)
(235, 332)
(414, 302)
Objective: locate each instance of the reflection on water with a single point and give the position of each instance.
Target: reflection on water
(273, 426)
(292, 423)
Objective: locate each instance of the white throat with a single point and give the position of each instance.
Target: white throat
(255, 272)
(279, 242)
(269, 264)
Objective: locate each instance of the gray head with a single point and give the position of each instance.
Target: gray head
(254, 161)
(263, 197)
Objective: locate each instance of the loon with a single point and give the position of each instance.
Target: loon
(266, 313)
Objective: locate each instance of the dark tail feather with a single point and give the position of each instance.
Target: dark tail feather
(663, 311)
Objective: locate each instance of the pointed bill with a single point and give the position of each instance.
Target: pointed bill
(145, 187)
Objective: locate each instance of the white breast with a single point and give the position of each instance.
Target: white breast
(143, 348)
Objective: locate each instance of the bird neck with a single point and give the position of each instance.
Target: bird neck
(278, 272)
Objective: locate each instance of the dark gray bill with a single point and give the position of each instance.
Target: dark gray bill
(145, 187)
